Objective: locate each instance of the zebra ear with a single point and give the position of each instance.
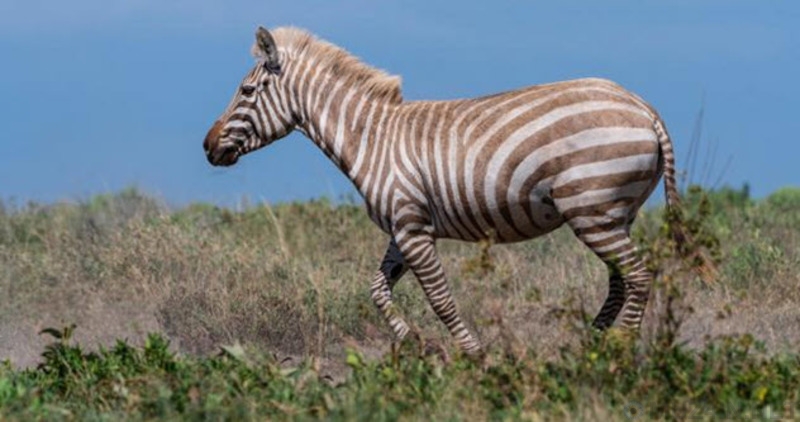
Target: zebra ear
(268, 50)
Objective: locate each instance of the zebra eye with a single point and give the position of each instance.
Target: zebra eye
(248, 90)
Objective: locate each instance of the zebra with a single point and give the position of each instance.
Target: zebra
(506, 167)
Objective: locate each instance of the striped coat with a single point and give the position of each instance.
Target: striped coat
(510, 166)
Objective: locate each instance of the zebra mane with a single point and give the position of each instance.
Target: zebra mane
(377, 83)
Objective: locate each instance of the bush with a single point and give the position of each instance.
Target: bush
(785, 200)
(729, 379)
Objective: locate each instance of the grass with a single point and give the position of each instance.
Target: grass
(264, 312)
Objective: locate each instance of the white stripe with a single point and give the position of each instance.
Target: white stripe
(641, 162)
(326, 110)
(296, 75)
(387, 161)
(281, 96)
(596, 237)
(601, 196)
(307, 81)
(447, 206)
(269, 115)
(314, 89)
(361, 153)
(357, 112)
(376, 160)
(582, 222)
(409, 170)
(611, 246)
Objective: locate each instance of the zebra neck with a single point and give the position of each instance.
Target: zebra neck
(349, 127)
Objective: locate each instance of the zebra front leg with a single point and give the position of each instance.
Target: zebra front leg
(392, 268)
(419, 251)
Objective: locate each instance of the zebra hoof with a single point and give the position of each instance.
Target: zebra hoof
(434, 348)
(601, 325)
(411, 344)
(478, 357)
(618, 336)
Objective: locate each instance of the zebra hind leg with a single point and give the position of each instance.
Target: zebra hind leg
(391, 270)
(614, 301)
(629, 279)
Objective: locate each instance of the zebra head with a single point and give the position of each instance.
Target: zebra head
(258, 113)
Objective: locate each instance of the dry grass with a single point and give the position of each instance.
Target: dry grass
(293, 279)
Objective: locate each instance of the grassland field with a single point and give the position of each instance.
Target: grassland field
(263, 312)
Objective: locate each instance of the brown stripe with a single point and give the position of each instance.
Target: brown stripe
(579, 186)
(352, 143)
(380, 116)
(305, 73)
(332, 125)
(379, 180)
(614, 254)
(607, 241)
(262, 113)
(602, 227)
(412, 176)
(598, 210)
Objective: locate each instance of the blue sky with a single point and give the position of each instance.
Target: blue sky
(96, 96)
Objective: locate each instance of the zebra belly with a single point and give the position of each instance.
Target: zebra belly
(509, 221)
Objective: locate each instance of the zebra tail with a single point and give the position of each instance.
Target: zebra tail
(702, 263)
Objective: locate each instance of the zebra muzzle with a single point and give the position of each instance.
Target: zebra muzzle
(223, 156)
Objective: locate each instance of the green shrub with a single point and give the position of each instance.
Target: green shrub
(785, 200)
(729, 379)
